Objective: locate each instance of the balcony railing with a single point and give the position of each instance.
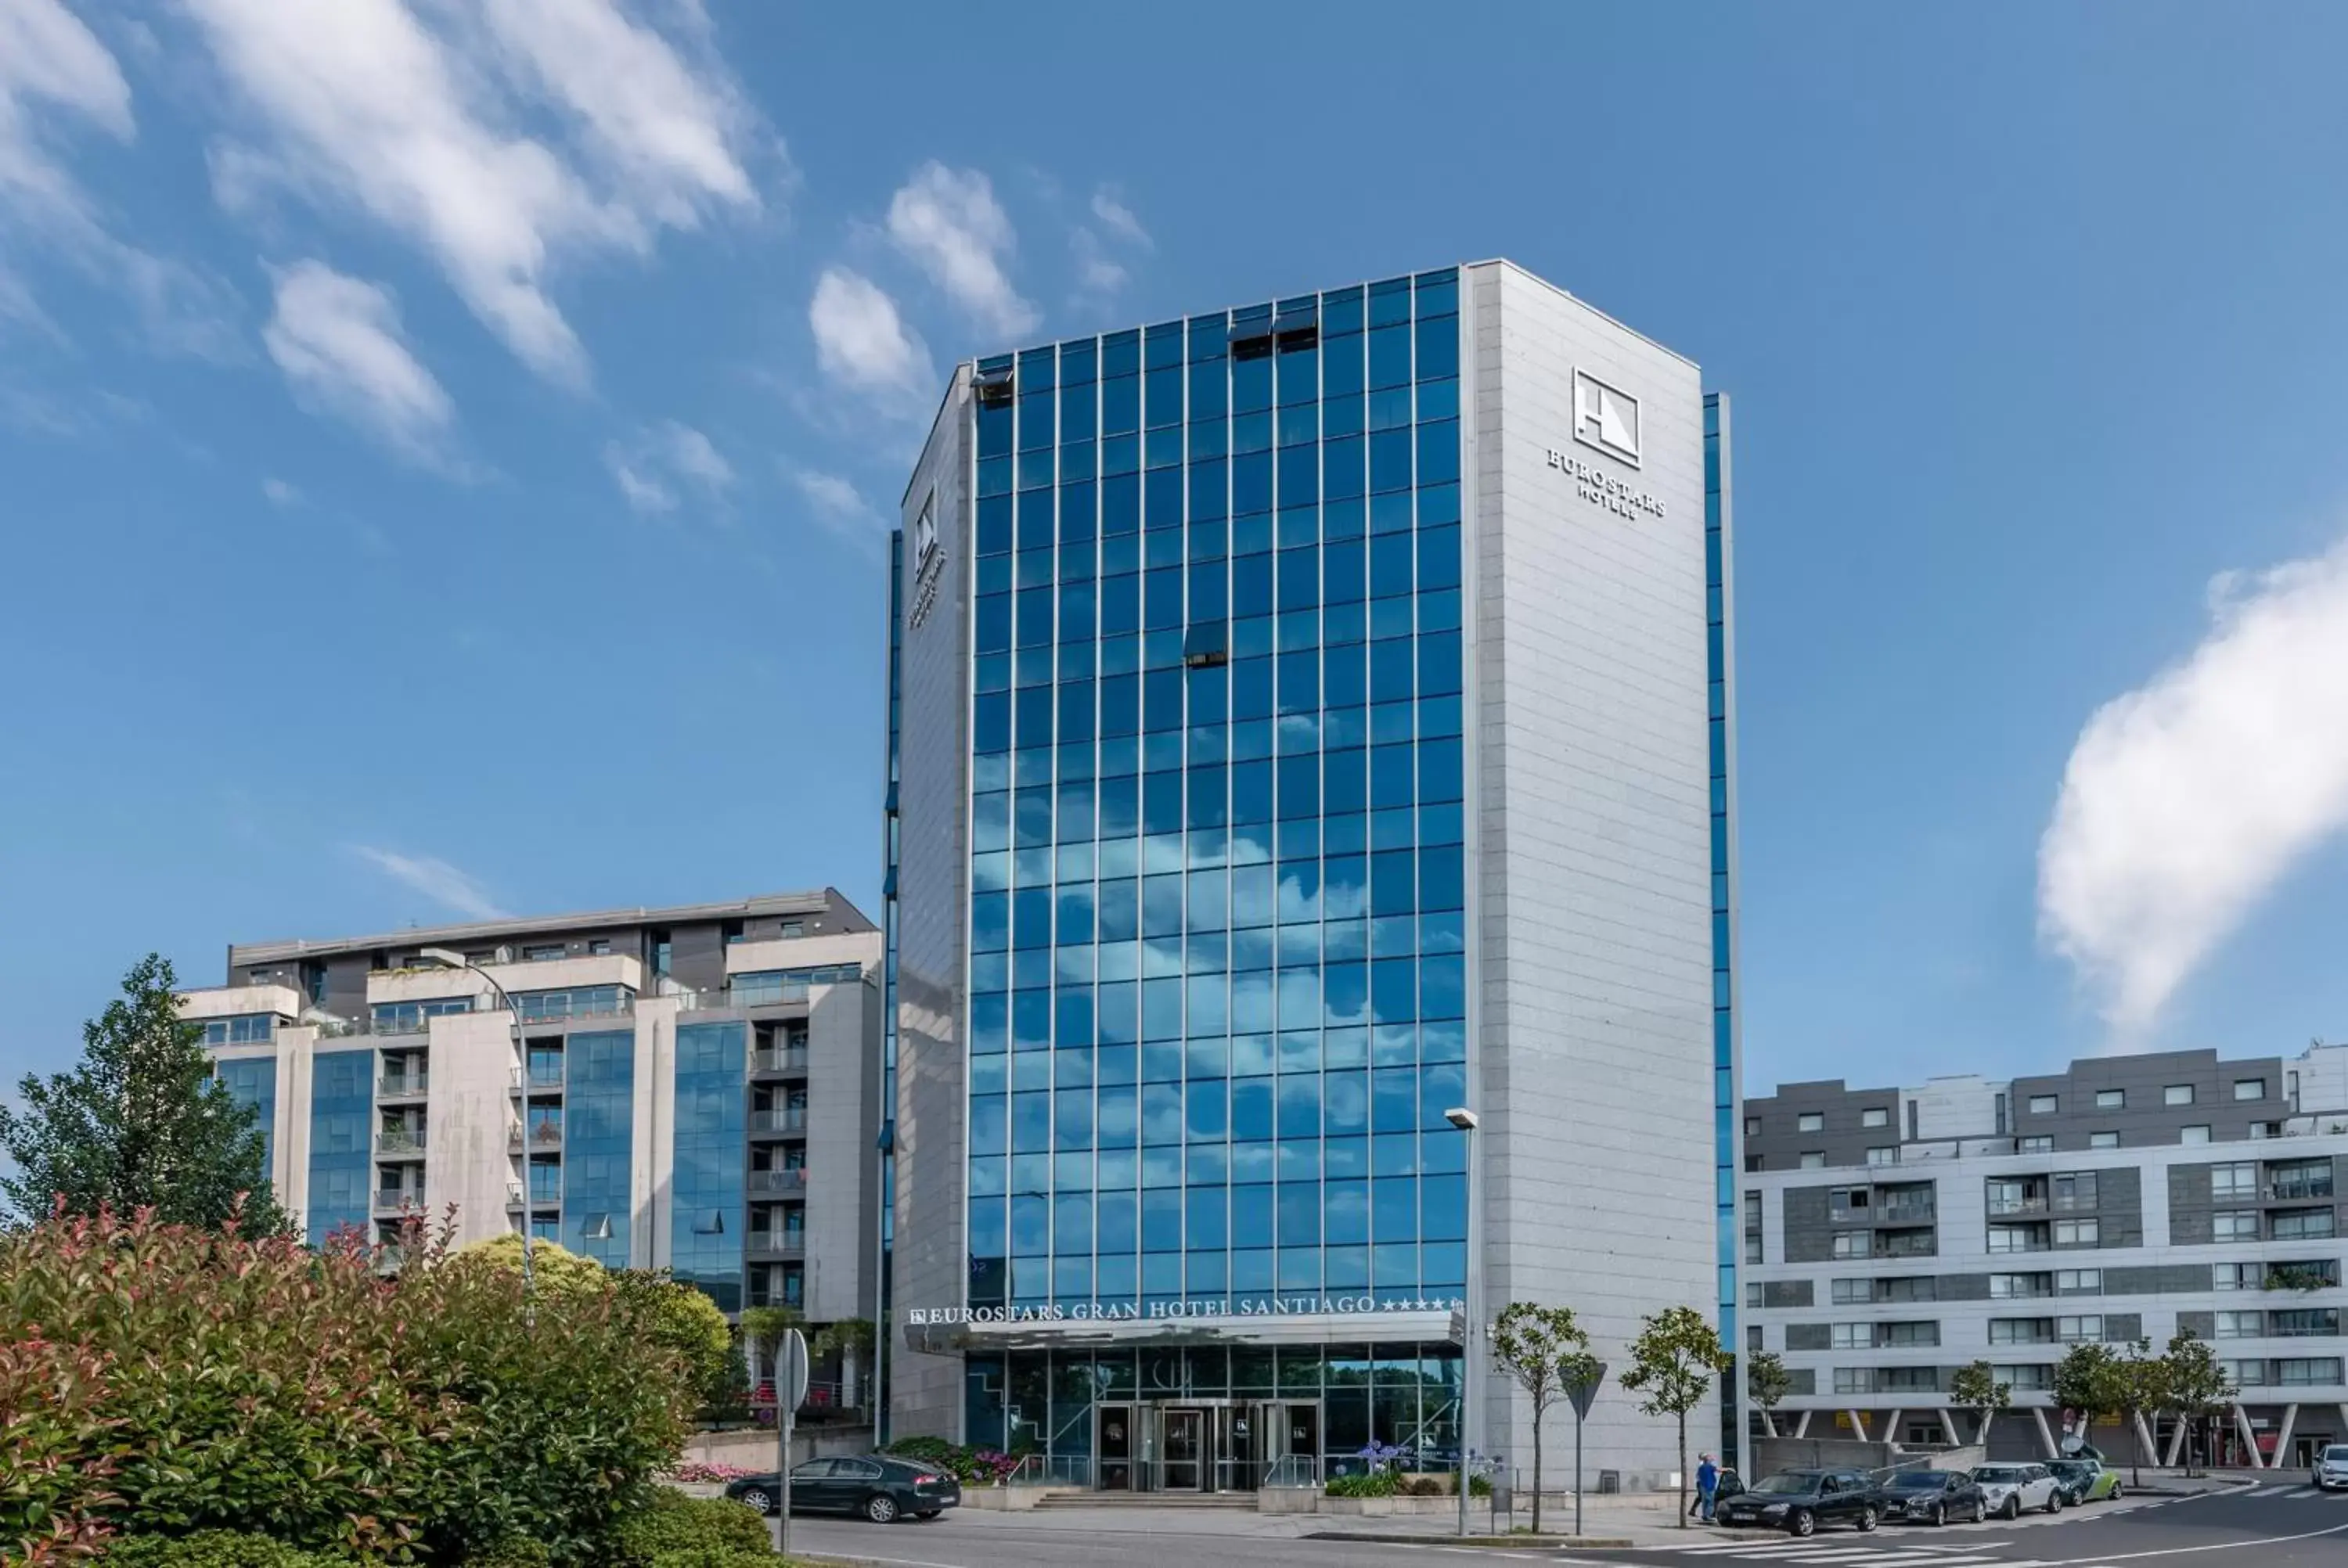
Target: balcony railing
(513, 1194)
(544, 1135)
(539, 1079)
(393, 1084)
(1909, 1213)
(783, 1059)
(793, 1181)
(2299, 1189)
(793, 1120)
(395, 1199)
(2003, 1207)
(775, 1246)
(400, 1141)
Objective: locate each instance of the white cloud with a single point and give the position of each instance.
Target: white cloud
(362, 102)
(2188, 800)
(841, 509)
(280, 493)
(1098, 272)
(49, 60)
(658, 464)
(1118, 219)
(948, 221)
(339, 341)
(435, 879)
(860, 340)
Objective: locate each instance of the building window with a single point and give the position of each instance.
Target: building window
(2240, 1325)
(1854, 1335)
(2301, 1322)
(2102, 1140)
(2041, 1145)
(2308, 1371)
(2019, 1238)
(2111, 1099)
(2084, 1328)
(1909, 1335)
(793, 928)
(1811, 1121)
(2250, 1374)
(2080, 1281)
(2239, 1277)
(1753, 1293)
(2177, 1094)
(2044, 1104)
(2234, 1225)
(1752, 1126)
(2078, 1233)
(1875, 1116)
(2250, 1088)
(1851, 1244)
(1885, 1154)
(601, 947)
(2199, 1134)
(2302, 1225)
(541, 952)
(2073, 1189)
(245, 1028)
(2021, 1331)
(1753, 1248)
(2299, 1181)
(2020, 1286)
(2234, 1180)
(1814, 1160)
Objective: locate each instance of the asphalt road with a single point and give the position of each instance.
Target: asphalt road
(2277, 1527)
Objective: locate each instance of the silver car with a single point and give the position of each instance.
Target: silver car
(2008, 1489)
(2331, 1466)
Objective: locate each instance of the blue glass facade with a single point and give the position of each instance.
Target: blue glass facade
(712, 1115)
(342, 1148)
(1217, 928)
(599, 1097)
(1721, 709)
(253, 1080)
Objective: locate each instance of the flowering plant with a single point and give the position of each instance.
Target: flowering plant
(693, 1469)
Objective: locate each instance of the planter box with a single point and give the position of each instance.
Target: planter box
(1290, 1499)
(1388, 1507)
(1002, 1499)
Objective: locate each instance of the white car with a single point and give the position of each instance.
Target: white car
(2331, 1466)
(2008, 1489)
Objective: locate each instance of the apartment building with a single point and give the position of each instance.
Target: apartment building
(1892, 1235)
(695, 1087)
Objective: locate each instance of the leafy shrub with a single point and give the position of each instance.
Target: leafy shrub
(698, 1470)
(55, 1450)
(512, 1553)
(211, 1549)
(969, 1465)
(256, 1385)
(674, 1530)
(1380, 1483)
(1426, 1486)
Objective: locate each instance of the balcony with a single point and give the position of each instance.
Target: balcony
(1910, 1213)
(513, 1194)
(402, 1085)
(544, 1135)
(400, 1142)
(2000, 1208)
(788, 1120)
(399, 1200)
(784, 1059)
(775, 1246)
(2299, 1189)
(538, 1078)
(792, 1181)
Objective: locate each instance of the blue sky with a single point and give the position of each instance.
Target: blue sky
(446, 447)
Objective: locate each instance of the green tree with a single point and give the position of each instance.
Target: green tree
(1541, 1348)
(2086, 1380)
(680, 1319)
(141, 1122)
(2196, 1385)
(1674, 1362)
(2139, 1387)
(851, 1339)
(1767, 1384)
(1974, 1387)
(763, 1328)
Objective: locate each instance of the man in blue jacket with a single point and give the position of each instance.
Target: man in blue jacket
(1708, 1483)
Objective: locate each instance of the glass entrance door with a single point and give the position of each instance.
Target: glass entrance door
(1184, 1444)
(1113, 1444)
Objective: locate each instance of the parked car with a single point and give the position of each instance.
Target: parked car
(1934, 1497)
(2332, 1467)
(2008, 1489)
(2084, 1480)
(1803, 1502)
(879, 1487)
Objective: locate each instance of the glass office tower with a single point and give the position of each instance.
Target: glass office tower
(1208, 636)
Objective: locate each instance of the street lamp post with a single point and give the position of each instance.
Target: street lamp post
(1459, 1116)
(449, 959)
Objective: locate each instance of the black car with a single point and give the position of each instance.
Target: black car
(878, 1487)
(1934, 1497)
(1803, 1502)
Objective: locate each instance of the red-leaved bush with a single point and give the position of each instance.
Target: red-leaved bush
(311, 1397)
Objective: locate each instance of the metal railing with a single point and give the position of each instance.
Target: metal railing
(537, 1078)
(775, 1246)
(781, 1059)
(793, 1120)
(544, 1135)
(1052, 1470)
(392, 1083)
(397, 1198)
(791, 1181)
(400, 1141)
(1292, 1471)
(2002, 1207)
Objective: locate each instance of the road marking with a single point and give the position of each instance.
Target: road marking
(2265, 1490)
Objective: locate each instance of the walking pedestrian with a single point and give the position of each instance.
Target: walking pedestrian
(1707, 1486)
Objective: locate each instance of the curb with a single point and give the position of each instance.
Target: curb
(1424, 1538)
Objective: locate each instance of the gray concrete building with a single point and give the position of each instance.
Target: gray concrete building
(1309, 720)
(1893, 1235)
(695, 1087)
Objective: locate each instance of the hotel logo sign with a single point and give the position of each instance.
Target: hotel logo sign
(1605, 417)
(929, 560)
